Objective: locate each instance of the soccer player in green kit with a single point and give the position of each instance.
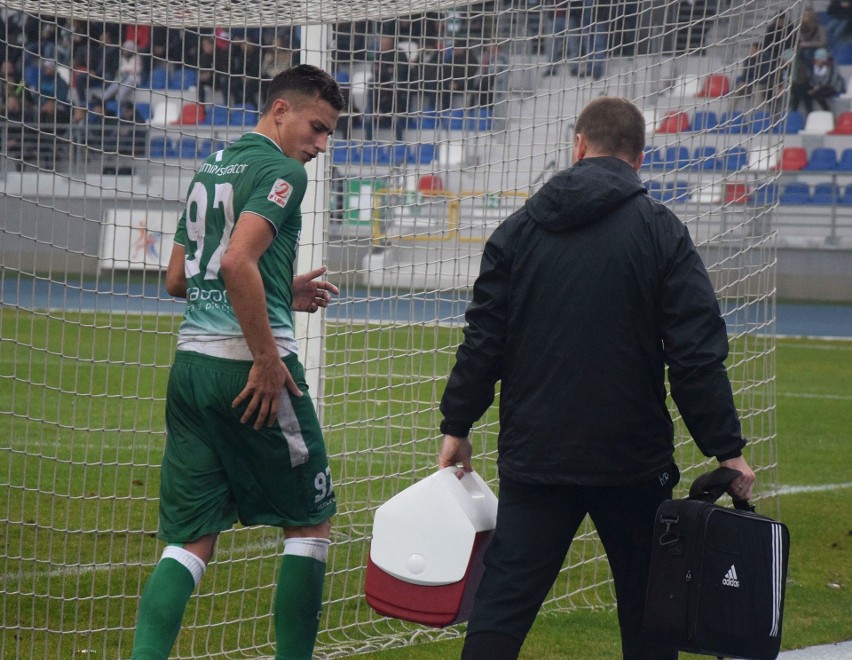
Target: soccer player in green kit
(243, 440)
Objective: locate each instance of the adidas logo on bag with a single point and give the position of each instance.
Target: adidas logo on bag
(731, 579)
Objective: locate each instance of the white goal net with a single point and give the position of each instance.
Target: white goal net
(456, 113)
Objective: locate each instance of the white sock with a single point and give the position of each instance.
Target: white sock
(191, 562)
(301, 546)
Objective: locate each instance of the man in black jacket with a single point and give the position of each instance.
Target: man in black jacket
(584, 296)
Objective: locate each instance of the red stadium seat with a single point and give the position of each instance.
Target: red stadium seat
(674, 122)
(191, 113)
(430, 183)
(736, 193)
(843, 125)
(714, 86)
(793, 158)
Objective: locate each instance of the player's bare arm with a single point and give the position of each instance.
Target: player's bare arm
(176, 273)
(268, 376)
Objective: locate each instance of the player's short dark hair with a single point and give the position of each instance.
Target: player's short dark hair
(613, 126)
(307, 80)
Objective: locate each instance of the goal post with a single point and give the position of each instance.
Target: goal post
(456, 112)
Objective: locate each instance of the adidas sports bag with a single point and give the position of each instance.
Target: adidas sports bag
(717, 577)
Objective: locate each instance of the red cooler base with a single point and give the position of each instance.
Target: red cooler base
(436, 606)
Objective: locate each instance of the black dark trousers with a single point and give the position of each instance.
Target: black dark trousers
(535, 527)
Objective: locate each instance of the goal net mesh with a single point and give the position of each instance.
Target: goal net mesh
(456, 113)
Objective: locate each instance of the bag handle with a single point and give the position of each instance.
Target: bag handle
(710, 486)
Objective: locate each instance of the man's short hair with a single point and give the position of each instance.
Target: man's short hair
(613, 126)
(304, 80)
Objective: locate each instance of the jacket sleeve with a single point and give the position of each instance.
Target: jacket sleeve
(479, 359)
(695, 342)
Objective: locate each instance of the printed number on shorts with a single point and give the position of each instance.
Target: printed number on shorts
(322, 482)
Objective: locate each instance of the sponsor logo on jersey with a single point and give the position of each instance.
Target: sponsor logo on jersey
(280, 193)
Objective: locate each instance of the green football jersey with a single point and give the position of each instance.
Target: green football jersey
(253, 175)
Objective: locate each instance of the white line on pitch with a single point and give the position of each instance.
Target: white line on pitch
(796, 490)
(803, 395)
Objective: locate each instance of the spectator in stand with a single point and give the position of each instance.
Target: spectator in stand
(387, 97)
(104, 61)
(588, 22)
(276, 57)
(130, 72)
(778, 38)
(53, 97)
(746, 83)
(131, 135)
(449, 75)
(838, 20)
(494, 76)
(20, 135)
(811, 35)
(13, 40)
(820, 82)
(212, 70)
(10, 81)
(79, 94)
(166, 47)
(245, 68)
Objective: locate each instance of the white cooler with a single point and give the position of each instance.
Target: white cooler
(427, 549)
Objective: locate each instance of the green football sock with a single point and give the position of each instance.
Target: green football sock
(161, 609)
(298, 598)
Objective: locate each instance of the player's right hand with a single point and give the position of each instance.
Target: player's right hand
(264, 388)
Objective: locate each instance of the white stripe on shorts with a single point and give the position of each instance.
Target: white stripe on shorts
(291, 429)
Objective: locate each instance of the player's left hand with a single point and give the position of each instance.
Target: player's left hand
(309, 293)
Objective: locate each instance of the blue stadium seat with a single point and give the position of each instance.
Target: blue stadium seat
(217, 115)
(345, 152)
(758, 121)
(157, 147)
(822, 159)
(844, 163)
(422, 153)
(183, 77)
(730, 122)
(846, 197)
(733, 159)
(704, 158)
(674, 157)
(704, 120)
(766, 194)
(243, 115)
(391, 154)
(159, 77)
(426, 120)
(826, 192)
(842, 53)
(680, 191)
(796, 192)
(342, 77)
(793, 122)
(367, 153)
(658, 191)
(144, 110)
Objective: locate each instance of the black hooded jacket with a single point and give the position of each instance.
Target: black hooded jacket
(584, 295)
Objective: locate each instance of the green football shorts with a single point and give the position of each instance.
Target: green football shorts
(217, 470)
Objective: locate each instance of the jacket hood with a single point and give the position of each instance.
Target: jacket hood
(584, 193)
